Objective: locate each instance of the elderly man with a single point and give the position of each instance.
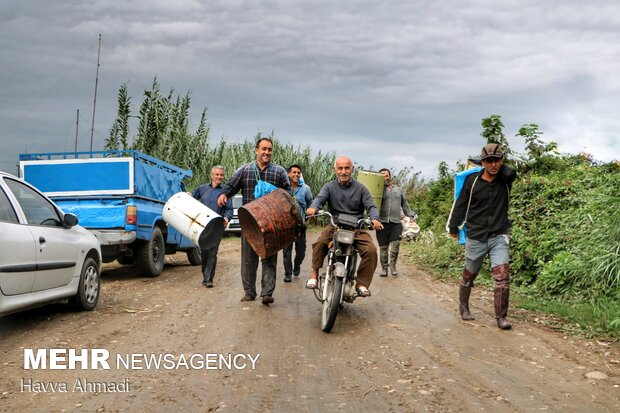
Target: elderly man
(346, 196)
(245, 179)
(208, 195)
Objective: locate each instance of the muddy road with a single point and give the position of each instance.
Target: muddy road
(402, 350)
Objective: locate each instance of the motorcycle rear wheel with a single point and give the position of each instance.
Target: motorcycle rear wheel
(331, 304)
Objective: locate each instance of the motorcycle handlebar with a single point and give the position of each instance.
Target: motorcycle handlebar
(365, 221)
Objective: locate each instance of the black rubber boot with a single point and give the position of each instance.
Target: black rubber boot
(394, 249)
(464, 293)
(383, 257)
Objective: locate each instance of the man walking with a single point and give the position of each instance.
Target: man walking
(389, 237)
(245, 179)
(208, 194)
(303, 195)
(483, 206)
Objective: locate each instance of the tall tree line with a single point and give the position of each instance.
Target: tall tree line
(164, 131)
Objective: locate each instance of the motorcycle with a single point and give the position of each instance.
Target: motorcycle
(337, 284)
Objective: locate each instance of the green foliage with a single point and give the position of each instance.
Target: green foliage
(492, 132)
(565, 245)
(164, 132)
(119, 133)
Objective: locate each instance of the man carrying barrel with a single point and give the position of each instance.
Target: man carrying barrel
(208, 194)
(246, 178)
(346, 196)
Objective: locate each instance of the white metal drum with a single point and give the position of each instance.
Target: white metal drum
(191, 218)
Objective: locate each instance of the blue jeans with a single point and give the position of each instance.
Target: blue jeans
(496, 247)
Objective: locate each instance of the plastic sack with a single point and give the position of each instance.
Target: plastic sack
(263, 188)
(459, 180)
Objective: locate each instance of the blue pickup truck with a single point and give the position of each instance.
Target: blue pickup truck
(119, 197)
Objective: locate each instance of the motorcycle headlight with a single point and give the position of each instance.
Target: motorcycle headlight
(345, 237)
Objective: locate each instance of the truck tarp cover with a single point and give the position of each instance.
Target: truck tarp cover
(104, 176)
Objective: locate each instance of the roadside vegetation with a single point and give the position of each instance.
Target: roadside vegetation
(565, 252)
(565, 246)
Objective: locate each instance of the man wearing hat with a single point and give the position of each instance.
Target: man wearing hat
(483, 205)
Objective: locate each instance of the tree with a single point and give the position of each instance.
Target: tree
(119, 133)
(534, 146)
(492, 132)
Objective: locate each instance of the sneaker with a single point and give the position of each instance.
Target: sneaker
(287, 279)
(296, 272)
(209, 284)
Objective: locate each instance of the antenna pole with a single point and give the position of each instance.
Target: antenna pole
(92, 129)
(77, 126)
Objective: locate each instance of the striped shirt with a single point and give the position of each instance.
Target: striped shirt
(244, 179)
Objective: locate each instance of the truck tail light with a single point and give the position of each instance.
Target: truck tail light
(131, 216)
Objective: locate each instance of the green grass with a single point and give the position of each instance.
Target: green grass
(592, 319)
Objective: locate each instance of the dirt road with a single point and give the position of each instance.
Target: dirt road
(402, 350)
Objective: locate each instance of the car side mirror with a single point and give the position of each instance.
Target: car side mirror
(70, 220)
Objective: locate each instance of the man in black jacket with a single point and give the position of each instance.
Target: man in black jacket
(483, 205)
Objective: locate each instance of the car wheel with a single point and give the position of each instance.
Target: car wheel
(151, 254)
(87, 295)
(193, 256)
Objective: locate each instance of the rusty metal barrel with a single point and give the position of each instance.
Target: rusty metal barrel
(270, 223)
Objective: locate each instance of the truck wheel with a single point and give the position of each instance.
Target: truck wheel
(87, 294)
(194, 257)
(151, 254)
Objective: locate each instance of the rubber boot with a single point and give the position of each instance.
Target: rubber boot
(383, 256)
(501, 293)
(464, 293)
(500, 296)
(394, 249)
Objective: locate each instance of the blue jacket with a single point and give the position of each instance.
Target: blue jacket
(303, 193)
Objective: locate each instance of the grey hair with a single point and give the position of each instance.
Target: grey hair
(218, 167)
(343, 157)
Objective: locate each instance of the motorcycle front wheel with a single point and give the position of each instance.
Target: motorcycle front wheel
(331, 303)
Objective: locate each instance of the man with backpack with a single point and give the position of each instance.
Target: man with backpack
(483, 205)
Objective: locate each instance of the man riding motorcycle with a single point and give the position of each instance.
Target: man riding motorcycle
(346, 196)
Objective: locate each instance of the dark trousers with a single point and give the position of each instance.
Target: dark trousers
(249, 266)
(365, 247)
(209, 261)
(391, 231)
(300, 254)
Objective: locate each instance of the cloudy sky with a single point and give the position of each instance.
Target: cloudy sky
(391, 83)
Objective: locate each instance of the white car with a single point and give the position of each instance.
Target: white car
(44, 255)
(233, 225)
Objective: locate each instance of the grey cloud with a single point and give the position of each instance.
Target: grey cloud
(383, 80)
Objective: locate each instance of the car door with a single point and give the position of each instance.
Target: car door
(57, 247)
(18, 255)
